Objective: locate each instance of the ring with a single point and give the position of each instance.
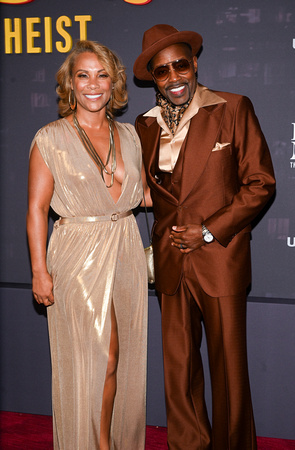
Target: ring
(181, 246)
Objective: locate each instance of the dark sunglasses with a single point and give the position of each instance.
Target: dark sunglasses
(181, 66)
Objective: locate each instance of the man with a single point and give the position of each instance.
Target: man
(210, 173)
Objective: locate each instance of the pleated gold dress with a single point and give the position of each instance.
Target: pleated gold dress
(94, 264)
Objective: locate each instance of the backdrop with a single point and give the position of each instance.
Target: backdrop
(249, 48)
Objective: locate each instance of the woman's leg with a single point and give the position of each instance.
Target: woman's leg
(109, 386)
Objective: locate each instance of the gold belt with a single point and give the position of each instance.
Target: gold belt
(112, 218)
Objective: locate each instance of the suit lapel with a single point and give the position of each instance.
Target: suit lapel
(150, 136)
(201, 139)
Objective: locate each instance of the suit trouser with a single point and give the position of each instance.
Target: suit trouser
(224, 321)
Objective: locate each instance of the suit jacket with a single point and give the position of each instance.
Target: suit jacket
(226, 179)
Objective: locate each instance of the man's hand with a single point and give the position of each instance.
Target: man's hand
(187, 237)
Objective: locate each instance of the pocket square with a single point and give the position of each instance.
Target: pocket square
(219, 146)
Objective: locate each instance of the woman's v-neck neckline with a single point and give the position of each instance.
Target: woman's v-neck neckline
(72, 129)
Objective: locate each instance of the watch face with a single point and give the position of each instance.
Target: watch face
(208, 237)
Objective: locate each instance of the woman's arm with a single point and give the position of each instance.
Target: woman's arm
(40, 190)
(146, 190)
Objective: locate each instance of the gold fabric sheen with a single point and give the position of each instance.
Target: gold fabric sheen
(93, 264)
(170, 148)
(170, 144)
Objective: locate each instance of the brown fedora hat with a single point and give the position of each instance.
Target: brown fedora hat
(156, 39)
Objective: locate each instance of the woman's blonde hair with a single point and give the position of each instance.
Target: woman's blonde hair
(111, 63)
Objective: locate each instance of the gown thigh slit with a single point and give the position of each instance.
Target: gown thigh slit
(110, 385)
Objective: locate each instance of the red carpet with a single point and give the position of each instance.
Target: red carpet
(32, 432)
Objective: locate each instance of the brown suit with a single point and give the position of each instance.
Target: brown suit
(223, 178)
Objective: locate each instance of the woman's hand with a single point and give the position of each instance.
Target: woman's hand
(42, 288)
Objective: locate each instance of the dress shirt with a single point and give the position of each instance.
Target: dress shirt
(170, 145)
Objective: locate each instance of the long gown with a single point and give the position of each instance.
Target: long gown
(94, 264)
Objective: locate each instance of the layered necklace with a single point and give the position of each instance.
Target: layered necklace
(92, 152)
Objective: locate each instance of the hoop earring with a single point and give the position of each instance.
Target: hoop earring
(74, 104)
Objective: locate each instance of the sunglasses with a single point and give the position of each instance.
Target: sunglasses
(181, 66)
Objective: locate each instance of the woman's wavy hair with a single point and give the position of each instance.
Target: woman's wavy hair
(111, 63)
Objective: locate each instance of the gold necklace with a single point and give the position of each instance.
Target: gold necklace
(92, 152)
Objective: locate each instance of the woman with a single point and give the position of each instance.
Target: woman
(88, 169)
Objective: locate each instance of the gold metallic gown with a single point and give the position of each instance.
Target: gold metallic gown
(93, 264)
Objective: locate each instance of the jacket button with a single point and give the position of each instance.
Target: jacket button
(158, 179)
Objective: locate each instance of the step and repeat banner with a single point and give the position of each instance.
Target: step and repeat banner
(249, 48)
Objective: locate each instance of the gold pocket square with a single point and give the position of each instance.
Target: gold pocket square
(219, 146)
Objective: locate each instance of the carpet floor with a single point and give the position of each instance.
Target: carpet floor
(34, 432)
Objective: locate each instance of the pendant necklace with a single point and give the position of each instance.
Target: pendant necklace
(92, 152)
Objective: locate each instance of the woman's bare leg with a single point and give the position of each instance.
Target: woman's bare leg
(110, 386)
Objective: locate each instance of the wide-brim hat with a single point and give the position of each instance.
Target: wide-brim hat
(156, 39)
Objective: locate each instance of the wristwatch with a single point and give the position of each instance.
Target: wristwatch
(207, 236)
